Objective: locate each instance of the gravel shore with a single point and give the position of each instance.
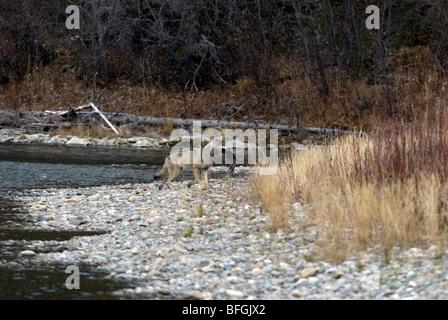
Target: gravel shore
(21, 137)
(191, 243)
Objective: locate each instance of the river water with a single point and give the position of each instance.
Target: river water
(25, 167)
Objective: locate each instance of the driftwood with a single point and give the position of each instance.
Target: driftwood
(63, 113)
(91, 105)
(123, 118)
(104, 118)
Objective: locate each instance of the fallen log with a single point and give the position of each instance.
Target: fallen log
(153, 121)
(123, 118)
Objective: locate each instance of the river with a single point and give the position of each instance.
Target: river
(24, 167)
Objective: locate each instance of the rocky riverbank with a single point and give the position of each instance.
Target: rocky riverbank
(190, 243)
(20, 136)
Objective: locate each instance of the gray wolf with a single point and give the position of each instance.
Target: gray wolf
(174, 169)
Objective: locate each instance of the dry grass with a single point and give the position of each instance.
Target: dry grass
(269, 190)
(388, 190)
(167, 128)
(413, 85)
(92, 131)
(54, 88)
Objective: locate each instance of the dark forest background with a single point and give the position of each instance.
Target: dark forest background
(289, 61)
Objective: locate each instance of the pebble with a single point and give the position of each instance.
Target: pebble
(256, 271)
(197, 295)
(234, 294)
(303, 283)
(308, 272)
(27, 253)
(296, 293)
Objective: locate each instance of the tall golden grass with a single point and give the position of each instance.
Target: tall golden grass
(270, 190)
(386, 190)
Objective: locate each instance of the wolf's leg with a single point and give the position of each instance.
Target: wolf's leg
(174, 172)
(205, 174)
(161, 172)
(161, 185)
(196, 177)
